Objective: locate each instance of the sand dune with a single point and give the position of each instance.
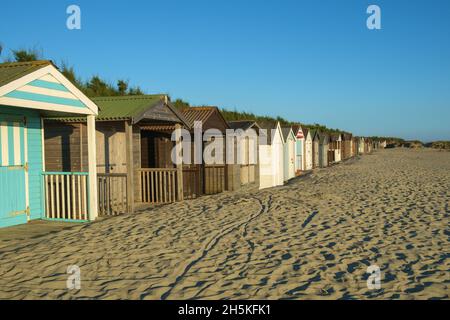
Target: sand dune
(311, 239)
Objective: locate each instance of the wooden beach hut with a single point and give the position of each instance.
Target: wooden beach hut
(220, 175)
(336, 146)
(289, 153)
(134, 145)
(248, 149)
(323, 150)
(354, 146)
(346, 145)
(361, 145)
(30, 91)
(299, 148)
(271, 156)
(308, 149)
(315, 148)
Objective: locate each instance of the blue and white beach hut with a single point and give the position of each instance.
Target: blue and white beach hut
(30, 91)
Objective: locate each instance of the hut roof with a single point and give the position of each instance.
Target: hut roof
(243, 124)
(324, 138)
(135, 108)
(269, 126)
(286, 131)
(15, 70)
(202, 114)
(335, 136)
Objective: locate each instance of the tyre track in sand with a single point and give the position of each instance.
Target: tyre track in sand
(213, 241)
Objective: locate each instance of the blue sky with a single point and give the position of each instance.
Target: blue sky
(308, 61)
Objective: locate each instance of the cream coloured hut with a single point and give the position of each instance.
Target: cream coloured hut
(308, 149)
(271, 156)
(289, 153)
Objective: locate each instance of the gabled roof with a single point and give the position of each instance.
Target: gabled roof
(298, 128)
(134, 108)
(324, 138)
(287, 131)
(268, 127)
(202, 114)
(16, 70)
(243, 124)
(315, 134)
(40, 85)
(305, 132)
(335, 136)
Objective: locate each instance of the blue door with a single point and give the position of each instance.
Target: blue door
(13, 175)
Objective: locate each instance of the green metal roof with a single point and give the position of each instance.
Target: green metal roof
(15, 70)
(125, 107)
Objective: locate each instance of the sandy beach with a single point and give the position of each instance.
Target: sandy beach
(311, 239)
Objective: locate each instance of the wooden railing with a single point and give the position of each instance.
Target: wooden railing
(214, 179)
(112, 194)
(66, 195)
(191, 182)
(159, 185)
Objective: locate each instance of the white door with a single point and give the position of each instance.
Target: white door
(308, 155)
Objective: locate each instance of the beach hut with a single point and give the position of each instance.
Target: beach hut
(323, 150)
(354, 146)
(271, 156)
(134, 146)
(299, 148)
(219, 175)
(361, 145)
(30, 91)
(248, 149)
(289, 153)
(315, 148)
(308, 149)
(346, 145)
(336, 146)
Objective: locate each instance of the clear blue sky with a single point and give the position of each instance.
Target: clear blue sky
(308, 61)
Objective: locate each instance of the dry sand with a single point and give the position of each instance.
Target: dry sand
(311, 239)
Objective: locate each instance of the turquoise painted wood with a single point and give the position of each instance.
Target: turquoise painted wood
(13, 209)
(299, 155)
(17, 94)
(13, 179)
(48, 85)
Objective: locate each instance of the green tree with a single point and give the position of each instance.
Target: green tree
(24, 55)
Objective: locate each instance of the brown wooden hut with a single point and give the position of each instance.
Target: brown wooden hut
(133, 138)
(216, 177)
(346, 146)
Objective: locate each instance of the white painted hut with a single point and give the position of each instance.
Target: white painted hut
(289, 153)
(299, 149)
(308, 150)
(271, 156)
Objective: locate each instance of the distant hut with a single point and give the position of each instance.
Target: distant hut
(248, 150)
(271, 156)
(217, 176)
(315, 148)
(336, 146)
(308, 149)
(299, 148)
(346, 145)
(289, 153)
(361, 145)
(354, 146)
(323, 150)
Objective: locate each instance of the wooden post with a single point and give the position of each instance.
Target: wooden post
(130, 165)
(179, 164)
(92, 164)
